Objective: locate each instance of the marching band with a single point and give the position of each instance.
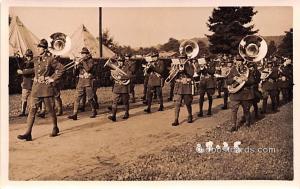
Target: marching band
(239, 77)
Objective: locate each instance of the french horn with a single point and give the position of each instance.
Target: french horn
(252, 48)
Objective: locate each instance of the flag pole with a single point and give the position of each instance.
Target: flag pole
(100, 32)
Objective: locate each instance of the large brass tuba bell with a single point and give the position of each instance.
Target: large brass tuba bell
(252, 48)
(189, 48)
(59, 43)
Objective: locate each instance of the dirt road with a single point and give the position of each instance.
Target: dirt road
(87, 144)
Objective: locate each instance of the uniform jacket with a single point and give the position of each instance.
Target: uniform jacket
(287, 72)
(207, 79)
(155, 74)
(271, 83)
(28, 74)
(45, 66)
(84, 70)
(119, 88)
(246, 92)
(184, 79)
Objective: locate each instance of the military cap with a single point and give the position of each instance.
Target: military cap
(29, 53)
(85, 51)
(43, 43)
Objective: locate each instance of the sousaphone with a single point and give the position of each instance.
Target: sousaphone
(252, 48)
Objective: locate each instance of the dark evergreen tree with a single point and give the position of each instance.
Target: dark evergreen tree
(229, 25)
(271, 49)
(286, 46)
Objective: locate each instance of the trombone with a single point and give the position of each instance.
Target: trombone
(73, 64)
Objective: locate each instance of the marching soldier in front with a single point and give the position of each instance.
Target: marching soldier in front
(84, 86)
(285, 82)
(243, 96)
(269, 87)
(121, 88)
(27, 73)
(47, 70)
(155, 82)
(207, 85)
(132, 68)
(183, 89)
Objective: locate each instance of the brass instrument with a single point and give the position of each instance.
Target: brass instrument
(224, 72)
(252, 48)
(189, 48)
(148, 65)
(59, 43)
(117, 73)
(73, 63)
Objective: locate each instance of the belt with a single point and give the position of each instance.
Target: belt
(85, 76)
(41, 79)
(206, 77)
(184, 80)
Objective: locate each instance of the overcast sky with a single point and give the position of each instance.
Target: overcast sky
(143, 26)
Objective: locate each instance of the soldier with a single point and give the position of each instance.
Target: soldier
(155, 82)
(207, 85)
(27, 73)
(57, 98)
(132, 68)
(269, 88)
(225, 69)
(244, 96)
(220, 81)
(84, 69)
(47, 70)
(183, 90)
(121, 90)
(285, 81)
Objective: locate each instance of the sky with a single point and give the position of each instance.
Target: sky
(143, 27)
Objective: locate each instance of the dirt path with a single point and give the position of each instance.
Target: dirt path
(86, 144)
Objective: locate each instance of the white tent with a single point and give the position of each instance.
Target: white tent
(20, 38)
(83, 38)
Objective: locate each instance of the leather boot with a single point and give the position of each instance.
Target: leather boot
(114, 112)
(190, 116)
(26, 137)
(59, 106)
(209, 106)
(23, 109)
(126, 115)
(55, 132)
(74, 117)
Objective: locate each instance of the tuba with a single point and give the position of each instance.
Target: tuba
(189, 48)
(252, 48)
(117, 73)
(59, 43)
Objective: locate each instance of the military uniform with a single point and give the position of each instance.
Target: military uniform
(183, 90)
(243, 97)
(257, 93)
(47, 70)
(285, 82)
(224, 72)
(207, 85)
(84, 86)
(155, 84)
(270, 88)
(132, 68)
(27, 73)
(121, 92)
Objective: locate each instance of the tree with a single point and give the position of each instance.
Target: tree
(171, 45)
(229, 25)
(107, 40)
(271, 49)
(286, 46)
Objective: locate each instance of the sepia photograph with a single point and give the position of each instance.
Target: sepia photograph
(150, 93)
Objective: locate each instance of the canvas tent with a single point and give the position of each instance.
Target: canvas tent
(83, 38)
(21, 38)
